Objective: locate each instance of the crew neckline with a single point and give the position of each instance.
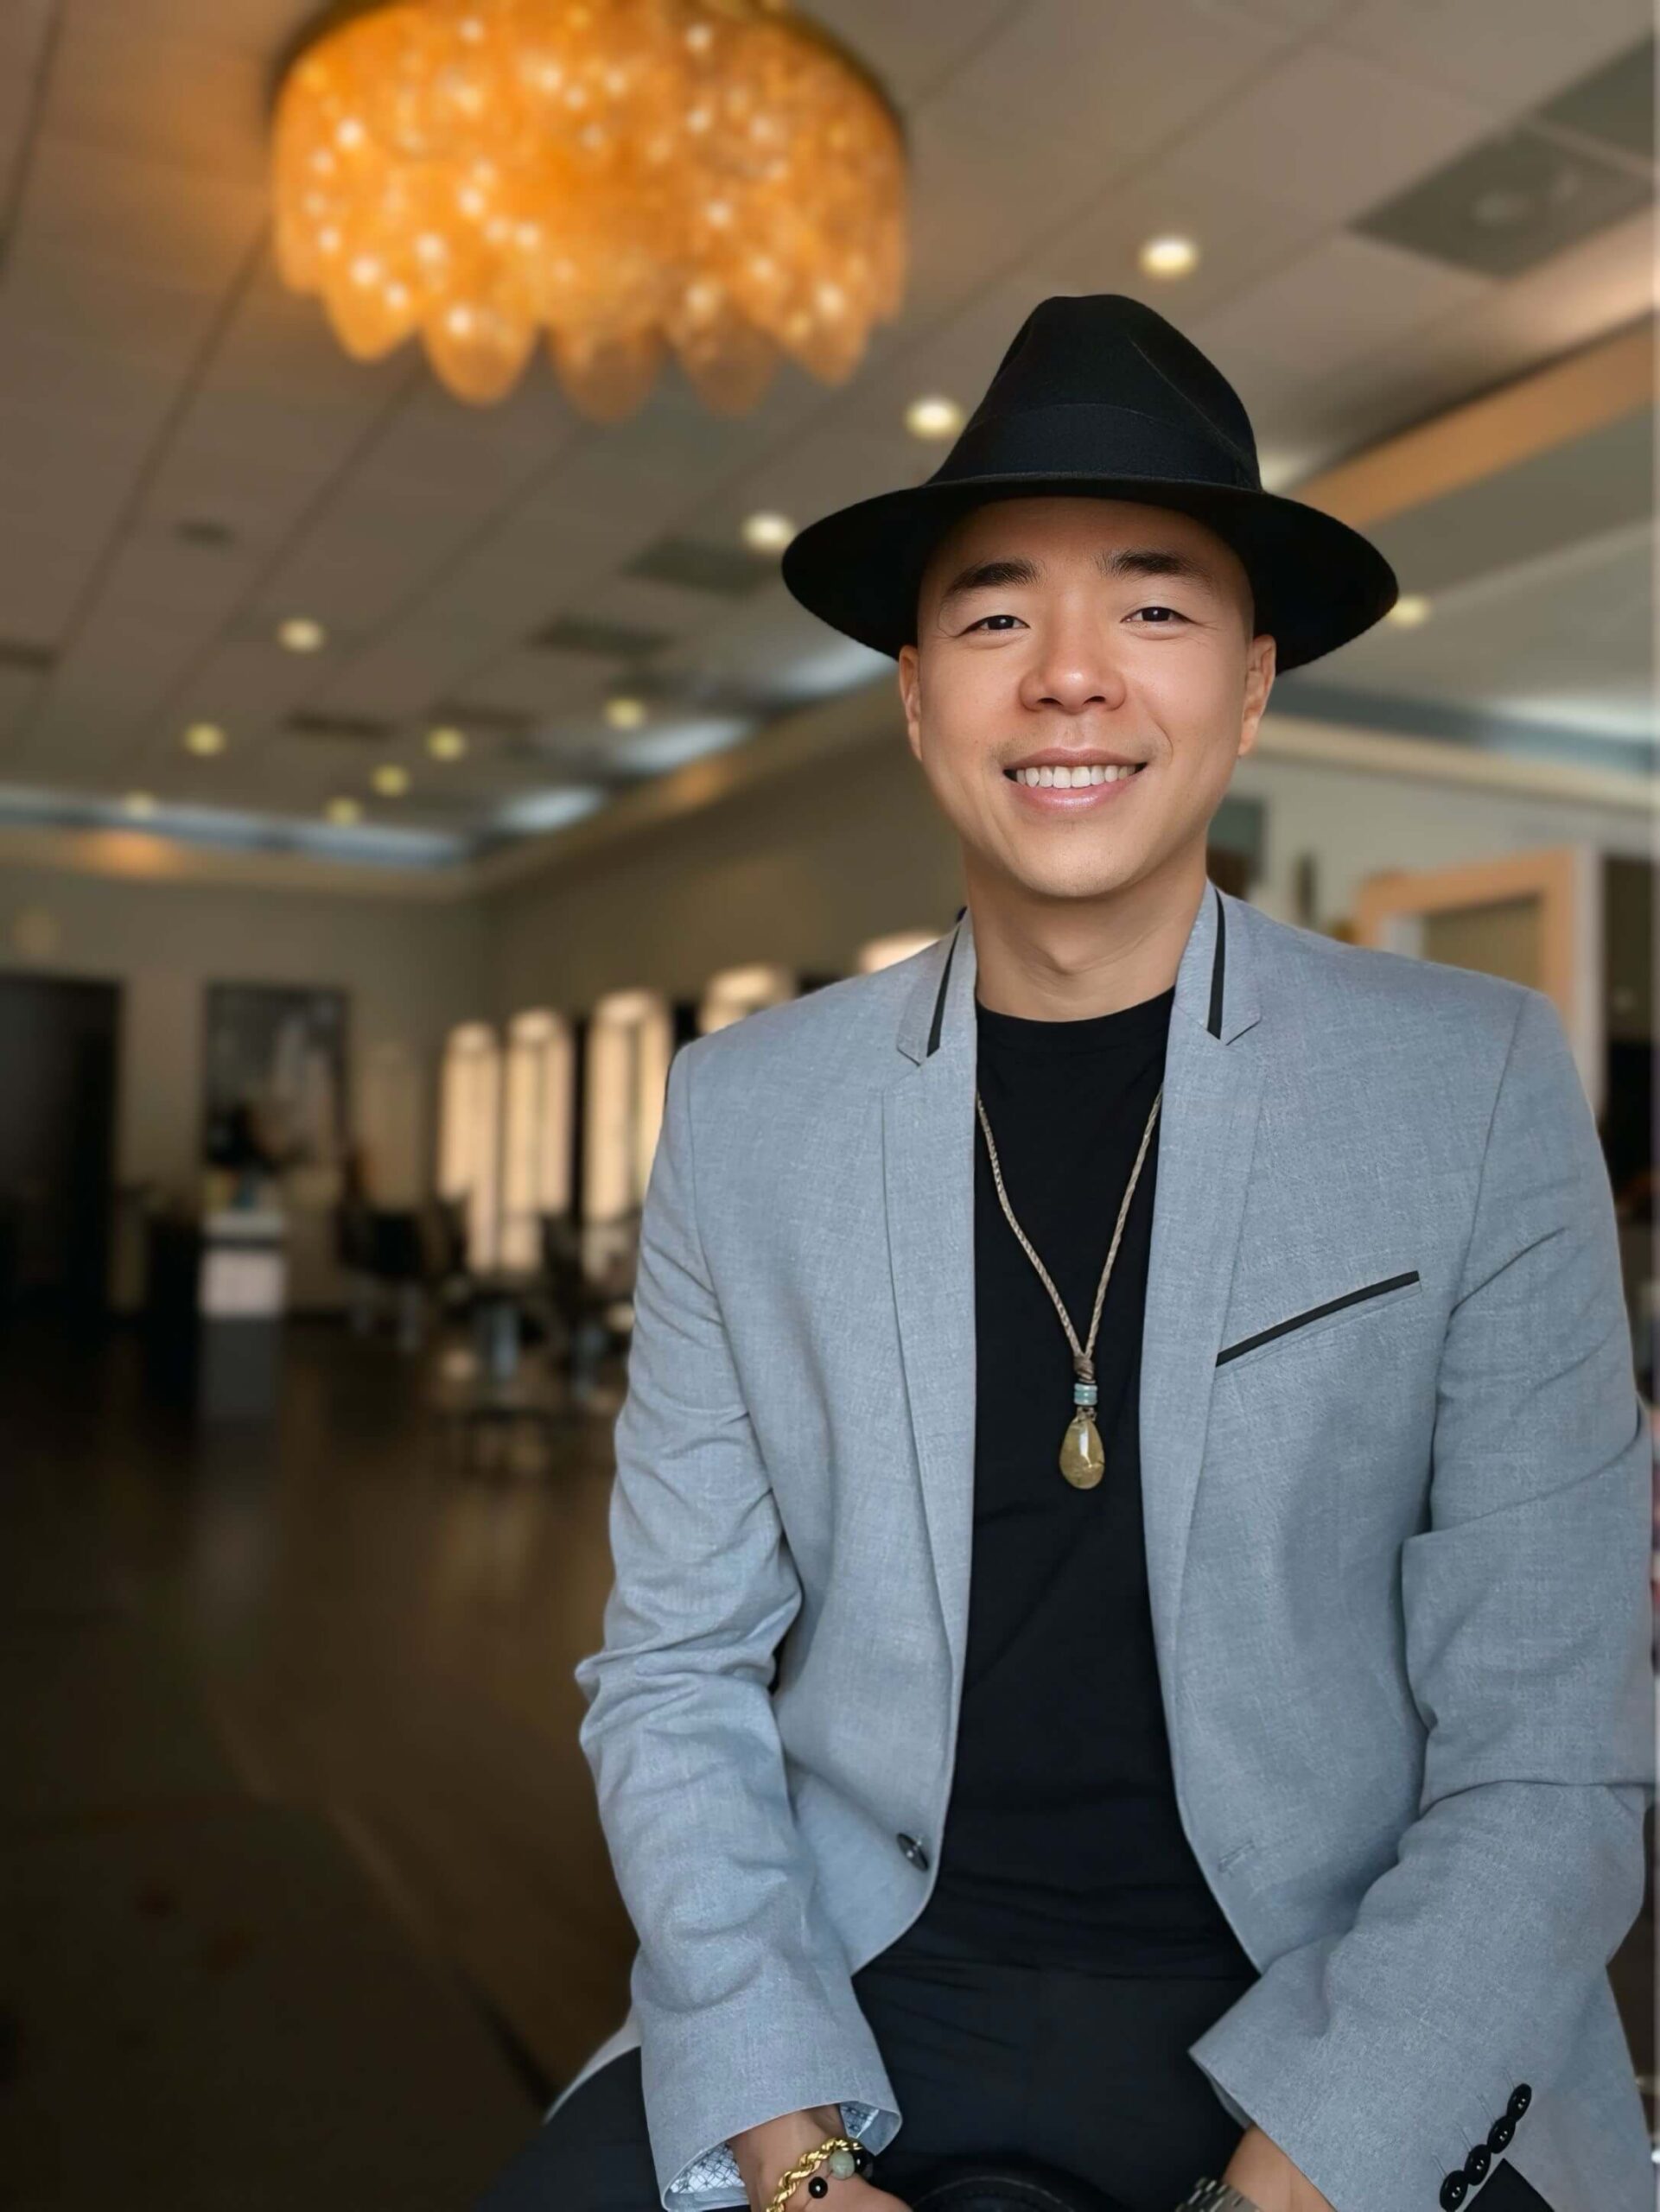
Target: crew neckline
(1090, 1033)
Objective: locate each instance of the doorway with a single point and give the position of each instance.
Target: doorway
(59, 1042)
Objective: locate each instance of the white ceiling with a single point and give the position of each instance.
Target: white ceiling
(152, 370)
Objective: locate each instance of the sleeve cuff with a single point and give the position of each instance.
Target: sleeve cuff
(710, 2180)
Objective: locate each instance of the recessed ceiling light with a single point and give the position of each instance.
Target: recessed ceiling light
(1410, 610)
(204, 738)
(933, 416)
(623, 713)
(768, 533)
(391, 780)
(300, 634)
(140, 803)
(1169, 255)
(446, 743)
(344, 811)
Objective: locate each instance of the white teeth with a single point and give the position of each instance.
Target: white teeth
(1064, 778)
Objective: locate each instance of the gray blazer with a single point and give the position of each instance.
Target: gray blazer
(1396, 1494)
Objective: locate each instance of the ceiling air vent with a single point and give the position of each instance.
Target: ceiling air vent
(1615, 105)
(729, 571)
(1510, 203)
(480, 721)
(361, 728)
(575, 633)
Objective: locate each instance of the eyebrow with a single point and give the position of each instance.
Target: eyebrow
(1128, 561)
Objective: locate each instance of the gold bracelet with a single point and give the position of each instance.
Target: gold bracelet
(808, 2163)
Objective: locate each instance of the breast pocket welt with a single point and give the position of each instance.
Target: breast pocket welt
(1349, 1308)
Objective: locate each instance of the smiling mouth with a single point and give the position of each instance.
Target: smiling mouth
(1073, 778)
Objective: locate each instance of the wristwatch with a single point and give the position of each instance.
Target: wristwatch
(1209, 2196)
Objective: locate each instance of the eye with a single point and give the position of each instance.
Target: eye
(1161, 610)
(991, 618)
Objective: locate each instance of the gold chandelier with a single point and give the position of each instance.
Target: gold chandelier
(718, 176)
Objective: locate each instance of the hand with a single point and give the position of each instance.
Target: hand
(1261, 2169)
(764, 2153)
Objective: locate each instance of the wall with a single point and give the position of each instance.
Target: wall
(805, 869)
(802, 870)
(411, 970)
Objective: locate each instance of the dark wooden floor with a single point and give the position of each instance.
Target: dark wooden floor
(315, 1906)
(311, 1875)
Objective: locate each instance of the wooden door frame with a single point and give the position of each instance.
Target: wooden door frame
(1566, 879)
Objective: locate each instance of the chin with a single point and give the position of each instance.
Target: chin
(1070, 880)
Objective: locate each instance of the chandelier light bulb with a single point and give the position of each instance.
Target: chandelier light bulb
(767, 533)
(204, 739)
(624, 713)
(1410, 610)
(1169, 256)
(344, 812)
(300, 634)
(392, 781)
(720, 179)
(446, 744)
(140, 803)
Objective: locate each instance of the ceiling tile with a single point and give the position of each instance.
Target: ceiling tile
(1307, 134)
(1111, 82)
(71, 299)
(1507, 56)
(911, 48)
(121, 82)
(149, 217)
(39, 588)
(1332, 305)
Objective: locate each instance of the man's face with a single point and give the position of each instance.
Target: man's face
(1099, 628)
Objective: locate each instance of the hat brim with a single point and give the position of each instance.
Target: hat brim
(1317, 582)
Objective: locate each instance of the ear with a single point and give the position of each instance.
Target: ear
(1259, 682)
(910, 681)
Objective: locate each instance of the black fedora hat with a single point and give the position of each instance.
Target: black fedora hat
(1100, 397)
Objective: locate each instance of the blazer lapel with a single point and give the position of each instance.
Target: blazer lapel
(1207, 1124)
(1212, 1096)
(928, 1132)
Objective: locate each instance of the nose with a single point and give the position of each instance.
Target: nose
(1074, 668)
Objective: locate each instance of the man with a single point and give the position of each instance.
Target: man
(1129, 1645)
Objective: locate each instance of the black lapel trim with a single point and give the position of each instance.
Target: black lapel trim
(940, 995)
(1219, 965)
(1214, 1025)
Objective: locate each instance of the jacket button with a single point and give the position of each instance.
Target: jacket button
(913, 1851)
(1521, 2098)
(1501, 2131)
(1455, 2190)
(1476, 2165)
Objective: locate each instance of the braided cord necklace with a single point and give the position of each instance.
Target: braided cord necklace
(1083, 1460)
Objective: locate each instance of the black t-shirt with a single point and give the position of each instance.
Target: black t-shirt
(1062, 1843)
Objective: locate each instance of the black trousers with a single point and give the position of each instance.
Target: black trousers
(1086, 2072)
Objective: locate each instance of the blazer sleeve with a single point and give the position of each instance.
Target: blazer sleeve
(741, 1984)
(1377, 2058)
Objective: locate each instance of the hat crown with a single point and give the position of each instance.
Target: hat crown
(1097, 396)
(1105, 349)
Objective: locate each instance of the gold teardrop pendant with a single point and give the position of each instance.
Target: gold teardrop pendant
(1083, 1460)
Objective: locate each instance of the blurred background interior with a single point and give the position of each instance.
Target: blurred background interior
(406, 742)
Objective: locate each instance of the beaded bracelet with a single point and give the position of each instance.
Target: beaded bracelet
(845, 2156)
